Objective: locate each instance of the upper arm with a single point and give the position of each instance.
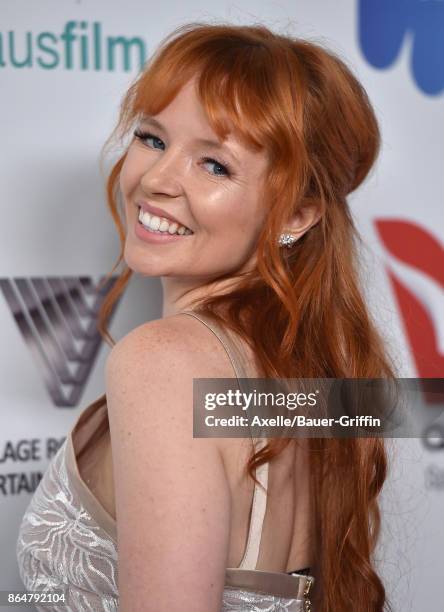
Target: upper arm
(172, 496)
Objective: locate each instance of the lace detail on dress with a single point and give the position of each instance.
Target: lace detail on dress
(60, 546)
(240, 600)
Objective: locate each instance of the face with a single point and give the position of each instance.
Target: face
(180, 182)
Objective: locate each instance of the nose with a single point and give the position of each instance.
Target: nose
(163, 175)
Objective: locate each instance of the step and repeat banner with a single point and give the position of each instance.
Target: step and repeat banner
(64, 67)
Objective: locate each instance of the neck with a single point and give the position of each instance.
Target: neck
(180, 294)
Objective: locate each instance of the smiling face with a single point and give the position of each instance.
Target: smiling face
(215, 193)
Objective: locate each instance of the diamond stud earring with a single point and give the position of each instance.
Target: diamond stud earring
(287, 240)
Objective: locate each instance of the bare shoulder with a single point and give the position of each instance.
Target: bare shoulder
(149, 374)
(179, 343)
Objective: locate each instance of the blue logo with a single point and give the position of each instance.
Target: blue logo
(382, 30)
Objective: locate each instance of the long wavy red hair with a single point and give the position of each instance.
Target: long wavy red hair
(303, 310)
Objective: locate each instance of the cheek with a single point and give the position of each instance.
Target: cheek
(248, 219)
(229, 213)
(244, 215)
(222, 206)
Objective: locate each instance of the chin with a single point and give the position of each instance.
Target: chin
(143, 262)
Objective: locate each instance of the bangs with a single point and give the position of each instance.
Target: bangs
(233, 80)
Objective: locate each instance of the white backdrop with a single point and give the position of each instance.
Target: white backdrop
(64, 66)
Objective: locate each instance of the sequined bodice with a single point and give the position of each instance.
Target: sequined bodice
(67, 541)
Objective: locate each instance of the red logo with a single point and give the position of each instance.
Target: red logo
(416, 274)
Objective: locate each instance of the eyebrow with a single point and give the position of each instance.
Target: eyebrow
(214, 144)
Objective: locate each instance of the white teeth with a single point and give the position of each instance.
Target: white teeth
(154, 222)
(162, 225)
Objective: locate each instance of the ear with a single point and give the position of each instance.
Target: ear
(305, 217)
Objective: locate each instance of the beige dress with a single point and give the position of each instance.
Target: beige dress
(68, 541)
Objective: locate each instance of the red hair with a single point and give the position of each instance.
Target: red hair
(301, 310)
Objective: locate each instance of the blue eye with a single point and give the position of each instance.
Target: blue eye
(209, 160)
(144, 136)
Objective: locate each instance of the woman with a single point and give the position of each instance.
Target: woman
(245, 144)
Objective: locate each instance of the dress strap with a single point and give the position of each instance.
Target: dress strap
(259, 504)
(227, 343)
(251, 555)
